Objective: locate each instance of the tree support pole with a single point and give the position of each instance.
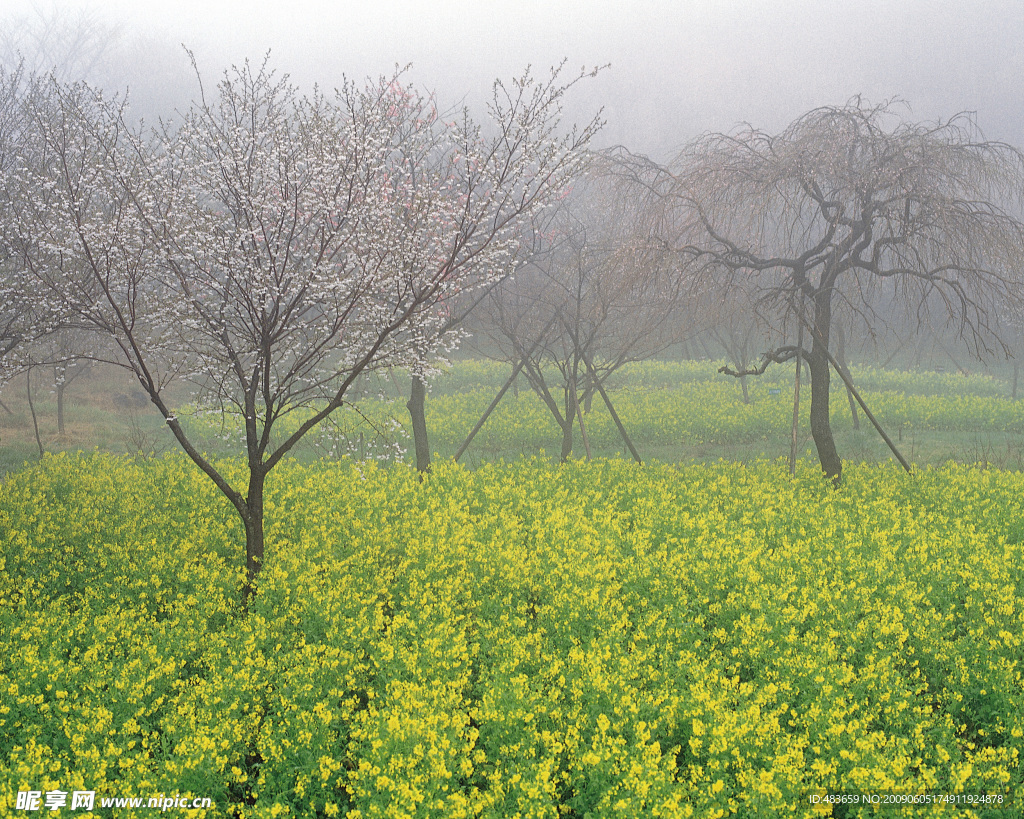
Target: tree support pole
(579, 414)
(863, 406)
(868, 413)
(490, 409)
(611, 410)
(604, 396)
(501, 393)
(796, 400)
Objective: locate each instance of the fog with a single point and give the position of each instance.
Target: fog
(676, 69)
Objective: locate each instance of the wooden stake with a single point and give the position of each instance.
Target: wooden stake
(489, 410)
(874, 421)
(579, 414)
(796, 399)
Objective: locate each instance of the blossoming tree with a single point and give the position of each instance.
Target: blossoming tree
(14, 302)
(273, 247)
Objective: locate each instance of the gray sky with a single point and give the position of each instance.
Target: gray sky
(677, 68)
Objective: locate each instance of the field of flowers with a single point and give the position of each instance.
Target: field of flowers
(528, 640)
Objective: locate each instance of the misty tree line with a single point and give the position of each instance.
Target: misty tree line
(272, 248)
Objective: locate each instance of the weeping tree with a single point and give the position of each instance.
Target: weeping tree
(848, 207)
(271, 248)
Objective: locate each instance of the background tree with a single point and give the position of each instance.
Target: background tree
(23, 316)
(1011, 322)
(846, 201)
(734, 325)
(592, 300)
(12, 306)
(522, 166)
(272, 248)
(71, 46)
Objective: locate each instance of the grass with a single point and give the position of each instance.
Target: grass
(105, 410)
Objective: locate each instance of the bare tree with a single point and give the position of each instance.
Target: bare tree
(68, 352)
(71, 46)
(593, 300)
(272, 248)
(736, 326)
(848, 201)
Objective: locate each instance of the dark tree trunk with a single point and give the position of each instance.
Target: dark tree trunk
(254, 540)
(817, 361)
(1016, 373)
(746, 394)
(588, 396)
(421, 442)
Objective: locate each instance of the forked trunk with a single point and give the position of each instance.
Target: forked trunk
(566, 438)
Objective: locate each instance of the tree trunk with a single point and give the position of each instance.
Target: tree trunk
(1016, 373)
(254, 540)
(794, 433)
(743, 384)
(421, 442)
(821, 427)
(707, 352)
(579, 415)
(60, 408)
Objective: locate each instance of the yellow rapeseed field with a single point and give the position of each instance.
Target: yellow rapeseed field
(530, 640)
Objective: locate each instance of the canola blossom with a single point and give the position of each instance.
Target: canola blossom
(522, 640)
